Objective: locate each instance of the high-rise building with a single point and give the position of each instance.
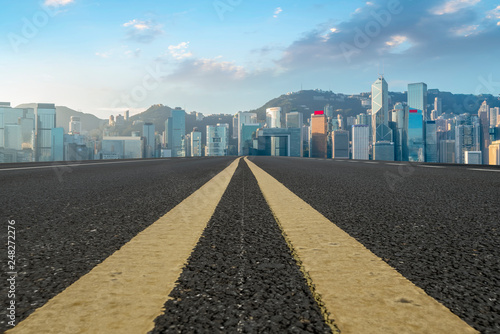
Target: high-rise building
(360, 142)
(294, 119)
(380, 106)
(340, 144)
(417, 98)
(467, 136)
(148, 132)
(45, 116)
(438, 106)
(484, 115)
(235, 126)
(176, 131)
(431, 142)
(318, 145)
(494, 152)
(415, 138)
(247, 134)
(196, 143)
(75, 125)
(494, 116)
(447, 151)
(329, 111)
(245, 118)
(400, 118)
(217, 140)
(57, 146)
(273, 117)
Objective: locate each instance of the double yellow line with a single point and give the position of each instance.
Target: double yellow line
(357, 291)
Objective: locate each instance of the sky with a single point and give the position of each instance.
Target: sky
(221, 56)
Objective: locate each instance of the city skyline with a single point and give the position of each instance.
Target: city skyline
(73, 53)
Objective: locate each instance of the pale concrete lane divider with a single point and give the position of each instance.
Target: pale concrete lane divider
(358, 291)
(127, 291)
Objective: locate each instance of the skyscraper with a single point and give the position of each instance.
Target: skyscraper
(438, 106)
(340, 144)
(75, 125)
(467, 136)
(380, 106)
(400, 118)
(245, 118)
(45, 121)
(294, 119)
(318, 135)
(415, 139)
(196, 143)
(176, 131)
(360, 142)
(148, 132)
(217, 140)
(417, 98)
(431, 143)
(484, 120)
(273, 117)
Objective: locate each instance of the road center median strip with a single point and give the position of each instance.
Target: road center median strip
(360, 291)
(126, 292)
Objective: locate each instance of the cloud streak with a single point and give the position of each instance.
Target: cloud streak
(142, 31)
(58, 3)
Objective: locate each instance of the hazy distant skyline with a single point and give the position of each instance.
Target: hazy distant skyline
(103, 57)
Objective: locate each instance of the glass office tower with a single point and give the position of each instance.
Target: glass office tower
(415, 143)
(176, 131)
(417, 98)
(45, 116)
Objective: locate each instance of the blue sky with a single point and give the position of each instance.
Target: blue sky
(221, 56)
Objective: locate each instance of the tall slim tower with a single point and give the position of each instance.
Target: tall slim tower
(380, 106)
(417, 98)
(176, 131)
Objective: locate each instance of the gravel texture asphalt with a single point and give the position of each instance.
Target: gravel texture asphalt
(69, 219)
(241, 277)
(439, 227)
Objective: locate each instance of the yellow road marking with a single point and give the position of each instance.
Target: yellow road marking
(362, 293)
(127, 291)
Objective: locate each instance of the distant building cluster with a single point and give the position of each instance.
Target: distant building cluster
(416, 130)
(31, 134)
(411, 131)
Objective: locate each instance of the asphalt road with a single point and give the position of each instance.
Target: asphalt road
(439, 226)
(241, 277)
(70, 217)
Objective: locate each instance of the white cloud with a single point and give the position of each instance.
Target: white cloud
(142, 31)
(180, 51)
(466, 30)
(453, 6)
(396, 40)
(277, 12)
(57, 3)
(494, 14)
(103, 54)
(139, 25)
